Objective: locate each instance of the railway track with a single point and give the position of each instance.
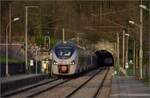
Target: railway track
(36, 90)
(80, 86)
(49, 88)
(101, 85)
(23, 89)
(97, 92)
(68, 88)
(85, 86)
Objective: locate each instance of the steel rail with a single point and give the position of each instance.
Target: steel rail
(23, 89)
(78, 88)
(101, 85)
(49, 88)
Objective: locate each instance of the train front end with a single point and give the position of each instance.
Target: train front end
(64, 56)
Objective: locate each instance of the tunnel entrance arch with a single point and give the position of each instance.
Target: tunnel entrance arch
(104, 58)
(106, 47)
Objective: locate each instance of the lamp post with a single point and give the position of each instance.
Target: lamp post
(134, 53)
(140, 26)
(9, 23)
(141, 36)
(141, 41)
(26, 34)
(141, 31)
(144, 7)
(123, 49)
(126, 54)
(36, 59)
(134, 56)
(118, 53)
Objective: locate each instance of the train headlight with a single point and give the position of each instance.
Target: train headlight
(55, 63)
(73, 62)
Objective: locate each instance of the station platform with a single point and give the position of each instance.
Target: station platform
(14, 82)
(129, 87)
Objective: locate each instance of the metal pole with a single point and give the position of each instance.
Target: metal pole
(78, 38)
(45, 40)
(91, 59)
(15, 19)
(49, 42)
(36, 60)
(137, 60)
(141, 41)
(63, 34)
(134, 60)
(10, 24)
(118, 52)
(126, 55)
(7, 73)
(123, 49)
(26, 38)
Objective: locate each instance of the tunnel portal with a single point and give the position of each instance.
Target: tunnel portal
(104, 58)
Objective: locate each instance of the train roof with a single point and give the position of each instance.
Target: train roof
(68, 43)
(65, 43)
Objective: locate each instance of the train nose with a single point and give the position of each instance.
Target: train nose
(63, 69)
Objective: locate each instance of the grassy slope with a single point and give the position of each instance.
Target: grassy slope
(10, 59)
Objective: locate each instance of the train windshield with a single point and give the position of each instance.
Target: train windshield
(64, 52)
